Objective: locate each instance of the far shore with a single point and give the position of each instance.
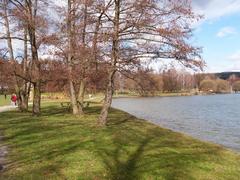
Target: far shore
(119, 95)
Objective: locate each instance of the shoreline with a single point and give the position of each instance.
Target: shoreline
(172, 95)
(167, 95)
(176, 122)
(182, 133)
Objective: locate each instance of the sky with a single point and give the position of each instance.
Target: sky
(219, 34)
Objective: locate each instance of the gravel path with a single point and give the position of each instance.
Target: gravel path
(3, 148)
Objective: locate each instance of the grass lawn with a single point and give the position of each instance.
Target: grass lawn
(58, 145)
(4, 101)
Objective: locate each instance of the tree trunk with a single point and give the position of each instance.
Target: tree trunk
(82, 91)
(102, 120)
(24, 97)
(36, 98)
(37, 81)
(24, 104)
(76, 108)
(36, 66)
(9, 39)
(24, 92)
(85, 65)
(95, 43)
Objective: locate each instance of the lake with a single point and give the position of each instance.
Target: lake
(214, 118)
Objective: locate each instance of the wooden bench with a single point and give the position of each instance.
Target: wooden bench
(85, 104)
(68, 105)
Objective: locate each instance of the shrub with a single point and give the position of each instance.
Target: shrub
(208, 85)
(222, 86)
(236, 86)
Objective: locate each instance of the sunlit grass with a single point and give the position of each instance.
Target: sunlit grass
(4, 101)
(57, 145)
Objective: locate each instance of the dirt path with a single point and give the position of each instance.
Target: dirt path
(3, 148)
(3, 153)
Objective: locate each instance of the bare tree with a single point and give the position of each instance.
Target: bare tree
(34, 24)
(91, 15)
(71, 18)
(113, 36)
(78, 43)
(5, 5)
(22, 88)
(143, 31)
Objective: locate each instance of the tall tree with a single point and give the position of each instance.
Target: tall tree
(31, 10)
(35, 25)
(113, 69)
(146, 30)
(71, 35)
(84, 61)
(93, 15)
(21, 88)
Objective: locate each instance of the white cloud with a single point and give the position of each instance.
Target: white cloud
(223, 68)
(213, 9)
(229, 63)
(233, 67)
(235, 56)
(225, 31)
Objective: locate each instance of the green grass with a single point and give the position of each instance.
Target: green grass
(4, 101)
(57, 145)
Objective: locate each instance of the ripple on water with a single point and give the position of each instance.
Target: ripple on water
(212, 118)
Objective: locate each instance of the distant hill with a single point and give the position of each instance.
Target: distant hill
(226, 75)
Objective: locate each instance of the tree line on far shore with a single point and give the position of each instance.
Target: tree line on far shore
(147, 82)
(219, 86)
(88, 43)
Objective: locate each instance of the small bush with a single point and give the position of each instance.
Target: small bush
(236, 86)
(222, 86)
(208, 85)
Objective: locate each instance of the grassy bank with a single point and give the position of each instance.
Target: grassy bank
(58, 145)
(100, 96)
(4, 101)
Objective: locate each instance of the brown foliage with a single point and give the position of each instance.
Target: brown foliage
(236, 86)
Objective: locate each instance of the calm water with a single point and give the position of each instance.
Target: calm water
(212, 118)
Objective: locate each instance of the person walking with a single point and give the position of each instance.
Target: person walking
(14, 99)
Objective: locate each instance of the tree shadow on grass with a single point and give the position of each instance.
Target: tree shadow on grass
(152, 155)
(54, 110)
(127, 148)
(140, 150)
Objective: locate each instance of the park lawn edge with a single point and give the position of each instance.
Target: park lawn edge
(214, 157)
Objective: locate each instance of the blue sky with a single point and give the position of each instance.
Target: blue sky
(219, 34)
